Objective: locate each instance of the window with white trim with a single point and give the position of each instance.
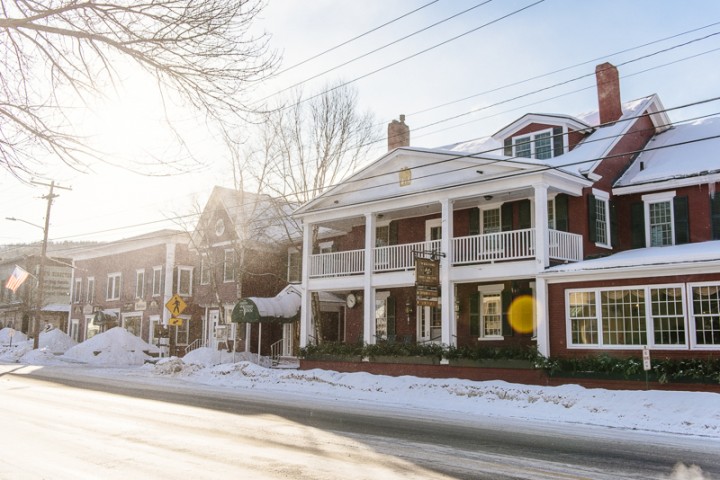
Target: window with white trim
(77, 290)
(705, 314)
(551, 213)
(659, 219)
(140, 283)
(294, 273)
(157, 281)
(113, 286)
(627, 317)
(486, 313)
(229, 266)
(602, 218)
(184, 281)
(90, 291)
(537, 145)
(491, 220)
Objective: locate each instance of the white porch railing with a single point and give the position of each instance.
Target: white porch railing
(402, 257)
(565, 246)
(491, 247)
(486, 248)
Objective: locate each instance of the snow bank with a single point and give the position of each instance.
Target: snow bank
(116, 347)
(56, 341)
(208, 357)
(17, 336)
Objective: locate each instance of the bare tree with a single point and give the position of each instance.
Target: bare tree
(202, 50)
(307, 146)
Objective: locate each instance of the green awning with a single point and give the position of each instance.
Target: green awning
(283, 308)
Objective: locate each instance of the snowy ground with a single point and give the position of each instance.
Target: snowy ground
(117, 352)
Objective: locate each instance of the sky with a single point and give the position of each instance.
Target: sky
(461, 79)
(686, 416)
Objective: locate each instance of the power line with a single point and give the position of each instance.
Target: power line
(394, 42)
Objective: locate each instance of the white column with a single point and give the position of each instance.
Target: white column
(542, 252)
(447, 311)
(542, 317)
(368, 291)
(305, 307)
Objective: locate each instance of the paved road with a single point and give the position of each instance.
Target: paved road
(60, 425)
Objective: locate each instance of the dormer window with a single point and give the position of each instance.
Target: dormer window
(541, 144)
(537, 145)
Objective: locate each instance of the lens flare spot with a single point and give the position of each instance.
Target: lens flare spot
(520, 314)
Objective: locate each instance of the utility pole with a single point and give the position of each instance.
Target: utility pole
(41, 274)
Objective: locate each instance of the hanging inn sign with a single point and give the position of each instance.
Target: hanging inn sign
(427, 281)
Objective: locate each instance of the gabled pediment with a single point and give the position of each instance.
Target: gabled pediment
(531, 122)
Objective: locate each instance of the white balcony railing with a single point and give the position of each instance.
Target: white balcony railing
(486, 248)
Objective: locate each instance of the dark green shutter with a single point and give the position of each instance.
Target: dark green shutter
(561, 213)
(393, 229)
(390, 305)
(506, 297)
(474, 221)
(637, 225)
(558, 143)
(475, 314)
(682, 223)
(524, 214)
(715, 216)
(508, 150)
(592, 220)
(507, 217)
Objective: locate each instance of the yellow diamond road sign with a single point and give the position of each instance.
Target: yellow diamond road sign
(176, 322)
(176, 305)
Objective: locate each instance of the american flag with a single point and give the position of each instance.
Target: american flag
(16, 279)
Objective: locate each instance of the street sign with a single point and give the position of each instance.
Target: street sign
(646, 359)
(177, 322)
(176, 305)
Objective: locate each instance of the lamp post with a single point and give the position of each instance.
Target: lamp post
(41, 273)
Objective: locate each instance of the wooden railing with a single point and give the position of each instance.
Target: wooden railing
(486, 248)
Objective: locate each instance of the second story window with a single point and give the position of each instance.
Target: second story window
(157, 281)
(90, 291)
(77, 291)
(294, 265)
(140, 284)
(660, 222)
(491, 220)
(113, 286)
(229, 266)
(599, 218)
(537, 145)
(184, 281)
(660, 219)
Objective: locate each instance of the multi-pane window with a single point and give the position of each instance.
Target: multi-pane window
(184, 281)
(601, 221)
(77, 290)
(157, 281)
(139, 283)
(113, 286)
(632, 316)
(294, 266)
(551, 213)
(491, 316)
(706, 315)
(491, 220)
(538, 145)
(661, 223)
(90, 291)
(229, 266)
(205, 270)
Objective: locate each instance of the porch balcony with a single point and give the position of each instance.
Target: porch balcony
(474, 249)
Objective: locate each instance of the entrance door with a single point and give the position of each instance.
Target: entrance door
(288, 340)
(213, 321)
(429, 323)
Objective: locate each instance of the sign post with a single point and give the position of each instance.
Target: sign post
(646, 364)
(176, 305)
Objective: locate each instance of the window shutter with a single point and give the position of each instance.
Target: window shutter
(506, 213)
(613, 225)
(390, 305)
(637, 225)
(682, 222)
(592, 220)
(474, 221)
(475, 314)
(506, 297)
(524, 213)
(508, 150)
(393, 233)
(561, 213)
(715, 216)
(558, 141)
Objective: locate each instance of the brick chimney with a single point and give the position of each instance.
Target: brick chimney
(398, 134)
(608, 90)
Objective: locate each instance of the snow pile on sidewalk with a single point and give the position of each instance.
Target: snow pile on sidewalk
(688, 413)
(9, 335)
(56, 341)
(52, 342)
(116, 347)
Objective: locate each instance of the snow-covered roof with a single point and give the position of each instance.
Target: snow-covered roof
(685, 151)
(667, 256)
